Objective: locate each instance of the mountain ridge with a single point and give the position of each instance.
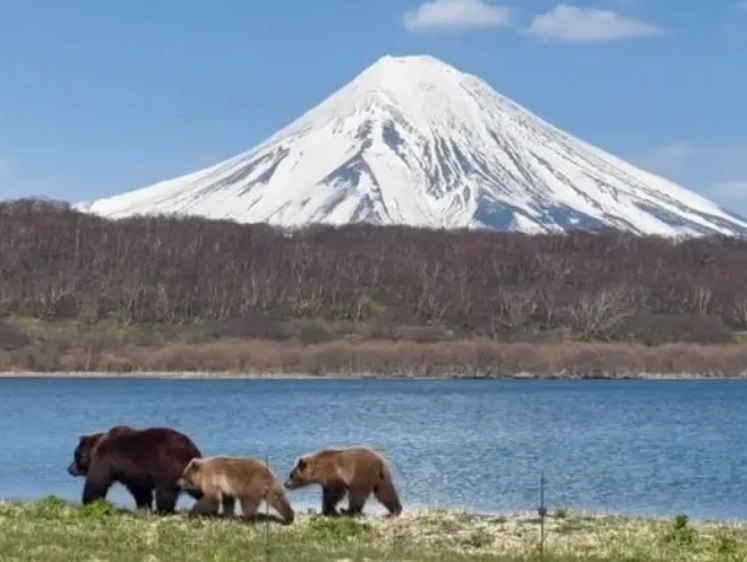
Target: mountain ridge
(412, 140)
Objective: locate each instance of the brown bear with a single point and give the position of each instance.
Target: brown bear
(143, 460)
(223, 479)
(357, 471)
(86, 444)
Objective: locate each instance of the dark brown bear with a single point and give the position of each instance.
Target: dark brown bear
(143, 460)
(355, 471)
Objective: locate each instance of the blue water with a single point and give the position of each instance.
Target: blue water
(638, 447)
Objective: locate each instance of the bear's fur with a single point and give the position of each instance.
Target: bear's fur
(82, 455)
(224, 479)
(145, 461)
(357, 471)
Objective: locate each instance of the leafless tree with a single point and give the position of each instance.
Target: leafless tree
(58, 263)
(595, 316)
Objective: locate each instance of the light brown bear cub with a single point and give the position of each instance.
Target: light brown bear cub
(357, 471)
(223, 479)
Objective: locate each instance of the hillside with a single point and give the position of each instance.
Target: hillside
(56, 262)
(80, 293)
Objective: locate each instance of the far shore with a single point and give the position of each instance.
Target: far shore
(221, 375)
(101, 350)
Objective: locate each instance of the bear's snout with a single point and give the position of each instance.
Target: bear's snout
(73, 469)
(289, 484)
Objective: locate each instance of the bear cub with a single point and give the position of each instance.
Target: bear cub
(357, 471)
(223, 479)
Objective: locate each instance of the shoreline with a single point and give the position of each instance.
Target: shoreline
(58, 531)
(374, 512)
(96, 355)
(227, 375)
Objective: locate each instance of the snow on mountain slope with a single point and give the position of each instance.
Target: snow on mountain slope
(411, 140)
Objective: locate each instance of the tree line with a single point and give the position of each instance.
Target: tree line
(58, 263)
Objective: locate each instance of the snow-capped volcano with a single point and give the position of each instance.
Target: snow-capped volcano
(411, 140)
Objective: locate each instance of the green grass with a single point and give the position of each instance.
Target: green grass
(53, 531)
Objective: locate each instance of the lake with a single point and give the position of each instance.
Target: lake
(636, 447)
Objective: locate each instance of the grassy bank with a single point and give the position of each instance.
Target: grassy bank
(317, 348)
(52, 531)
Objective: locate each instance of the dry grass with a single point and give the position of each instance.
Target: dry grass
(319, 349)
(52, 531)
(460, 358)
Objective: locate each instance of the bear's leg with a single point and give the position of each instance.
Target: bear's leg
(166, 497)
(229, 505)
(331, 496)
(249, 508)
(205, 506)
(387, 495)
(143, 496)
(96, 487)
(357, 497)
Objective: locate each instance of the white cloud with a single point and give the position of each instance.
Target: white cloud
(730, 190)
(676, 151)
(6, 167)
(456, 14)
(729, 159)
(579, 25)
(734, 28)
(714, 171)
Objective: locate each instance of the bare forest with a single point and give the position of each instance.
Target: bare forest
(250, 281)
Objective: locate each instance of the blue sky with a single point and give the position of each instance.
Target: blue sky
(103, 97)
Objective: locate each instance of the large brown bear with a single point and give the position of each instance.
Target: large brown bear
(223, 479)
(357, 471)
(143, 460)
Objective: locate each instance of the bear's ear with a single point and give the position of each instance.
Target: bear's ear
(302, 463)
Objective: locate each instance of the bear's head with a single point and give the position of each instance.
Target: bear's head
(87, 443)
(191, 475)
(83, 452)
(300, 475)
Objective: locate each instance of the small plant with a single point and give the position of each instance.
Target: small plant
(99, 509)
(51, 507)
(561, 513)
(337, 529)
(480, 538)
(681, 532)
(726, 544)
